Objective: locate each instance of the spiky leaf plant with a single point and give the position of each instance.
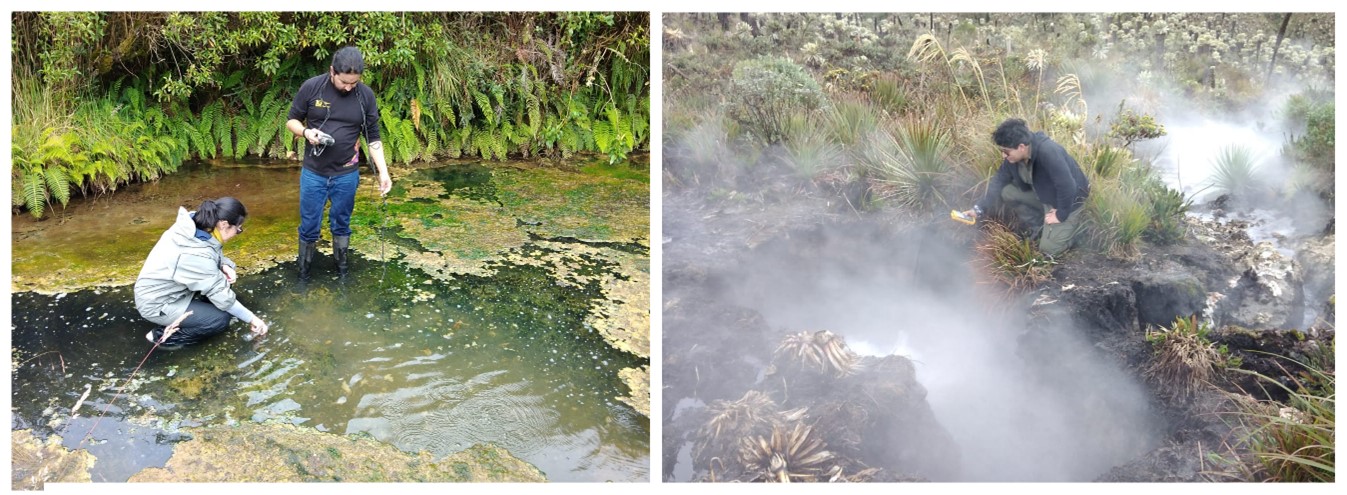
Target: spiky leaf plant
(1234, 171)
(717, 441)
(788, 455)
(822, 351)
(850, 119)
(811, 149)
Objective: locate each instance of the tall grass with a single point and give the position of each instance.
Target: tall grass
(1294, 441)
(1116, 217)
(890, 94)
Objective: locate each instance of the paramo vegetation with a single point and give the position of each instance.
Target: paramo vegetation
(900, 106)
(103, 99)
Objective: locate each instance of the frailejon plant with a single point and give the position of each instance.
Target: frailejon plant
(1184, 359)
(764, 91)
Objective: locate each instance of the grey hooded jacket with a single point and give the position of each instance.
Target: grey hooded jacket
(179, 266)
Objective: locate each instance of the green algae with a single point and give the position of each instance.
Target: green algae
(285, 453)
(36, 462)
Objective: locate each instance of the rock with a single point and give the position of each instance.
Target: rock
(1165, 295)
(1268, 294)
(1315, 258)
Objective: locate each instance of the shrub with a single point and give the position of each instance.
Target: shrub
(766, 90)
(1131, 127)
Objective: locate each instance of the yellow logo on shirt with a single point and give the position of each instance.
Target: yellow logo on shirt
(319, 103)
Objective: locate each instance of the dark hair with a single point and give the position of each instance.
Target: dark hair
(1012, 133)
(348, 60)
(212, 211)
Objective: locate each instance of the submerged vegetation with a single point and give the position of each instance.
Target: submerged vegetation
(102, 99)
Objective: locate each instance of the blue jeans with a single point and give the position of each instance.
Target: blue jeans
(315, 191)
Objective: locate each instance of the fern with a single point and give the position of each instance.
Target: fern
(58, 184)
(34, 192)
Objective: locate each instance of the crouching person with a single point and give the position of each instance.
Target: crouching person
(187, 271)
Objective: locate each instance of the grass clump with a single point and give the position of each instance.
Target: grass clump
(1115, 218)
(1184, 357)
(1014, 261)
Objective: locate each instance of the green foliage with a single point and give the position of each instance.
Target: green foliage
(851, 118)
(1168, 208)
(1131, 127)
(811, 149)
(1234, 171)
(767, 90)
(218, 84)
(1106, 162)
(1116, 217)
(1185, 357)
(912, 167)
(1311, 115)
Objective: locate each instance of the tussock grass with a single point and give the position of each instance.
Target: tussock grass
(1184, 357)
(1014, 261)
(851, 118)
(810, 146)
(1116, 217)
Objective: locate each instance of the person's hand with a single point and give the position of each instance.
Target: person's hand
(229, 273)
(311, 136)
(1051, 217)
(385, 183)
(259, 327)
(973, 214)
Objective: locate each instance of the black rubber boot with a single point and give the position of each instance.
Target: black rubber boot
(306, 252)
(340, 245)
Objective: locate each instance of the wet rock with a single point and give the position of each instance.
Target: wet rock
(283, 453)
(1268, 293)
(1167, 294)
(1315, 258)
(36, 462)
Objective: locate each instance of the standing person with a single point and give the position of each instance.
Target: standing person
(188, 271)
(1039, 180)
(331, 111)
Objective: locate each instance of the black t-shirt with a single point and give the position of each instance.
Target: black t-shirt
(320, 106)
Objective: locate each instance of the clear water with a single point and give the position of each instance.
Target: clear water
(423, 366)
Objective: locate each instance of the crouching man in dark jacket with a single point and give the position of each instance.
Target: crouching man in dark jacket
(1040, 182)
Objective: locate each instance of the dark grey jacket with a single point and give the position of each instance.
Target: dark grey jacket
(1058, 180)
(179, 266)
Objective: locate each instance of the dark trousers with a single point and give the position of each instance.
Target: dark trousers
(205, 321)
